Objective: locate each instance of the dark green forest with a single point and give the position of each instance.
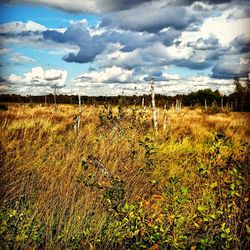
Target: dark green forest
(237, 101)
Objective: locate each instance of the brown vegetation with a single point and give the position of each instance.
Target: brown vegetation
(117, 185)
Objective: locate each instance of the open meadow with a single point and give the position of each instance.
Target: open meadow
(116, 184)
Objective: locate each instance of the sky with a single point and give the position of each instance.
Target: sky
(110, 47)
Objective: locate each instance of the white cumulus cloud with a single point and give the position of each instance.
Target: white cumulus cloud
(108, 75)
(19, 27)
(39, 78)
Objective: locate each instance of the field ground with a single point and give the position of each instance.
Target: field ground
(118, 185)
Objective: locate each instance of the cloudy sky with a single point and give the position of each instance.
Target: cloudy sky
(106, 47)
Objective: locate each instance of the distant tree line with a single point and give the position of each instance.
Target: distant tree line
(241, 95)
(238, 101)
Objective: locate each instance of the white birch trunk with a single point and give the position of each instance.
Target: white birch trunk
(55, 99)
(165, 118)
(153, 105)
(79, 115)
(177, 105)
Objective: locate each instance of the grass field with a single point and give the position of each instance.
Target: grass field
(117, 184)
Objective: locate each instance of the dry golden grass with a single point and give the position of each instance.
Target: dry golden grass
(170, 190)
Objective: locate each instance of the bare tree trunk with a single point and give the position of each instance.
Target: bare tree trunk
(206, 104)
(79, 102)
(142, 102)
(221, 102)
(45, 101)
(135, 101)
(76, 124)
(55, 99)
(79, 115)
(177, 105)
(165, 118)
(153, 105)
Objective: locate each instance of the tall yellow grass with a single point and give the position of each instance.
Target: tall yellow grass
(170, 190)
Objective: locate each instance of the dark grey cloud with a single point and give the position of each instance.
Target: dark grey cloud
(130, 40)
(147, 58)
(54, 36)
(77, 34)
(240, 45)
(166, 37)
(125, 4)
(93, 6)
(211, 47)
(154, 16)
(102, 6)
(3, 81)
(21, 34)
(91, 46)
(188, 2)
(192, 63)
(157, 76)
(150, 18)
(231, 66)
(211, 43)
(233, 61)
(5, 86)
(85, 55)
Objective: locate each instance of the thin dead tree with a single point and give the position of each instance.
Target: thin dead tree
(177, 105)
(55, 98)
(165, 117)
(153, 105)
(206, 104)
(231, 105)
(221, 102)
(77, 118)
(135, 100)
(80, 112)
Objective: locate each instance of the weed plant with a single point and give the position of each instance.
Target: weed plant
(117, 185)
